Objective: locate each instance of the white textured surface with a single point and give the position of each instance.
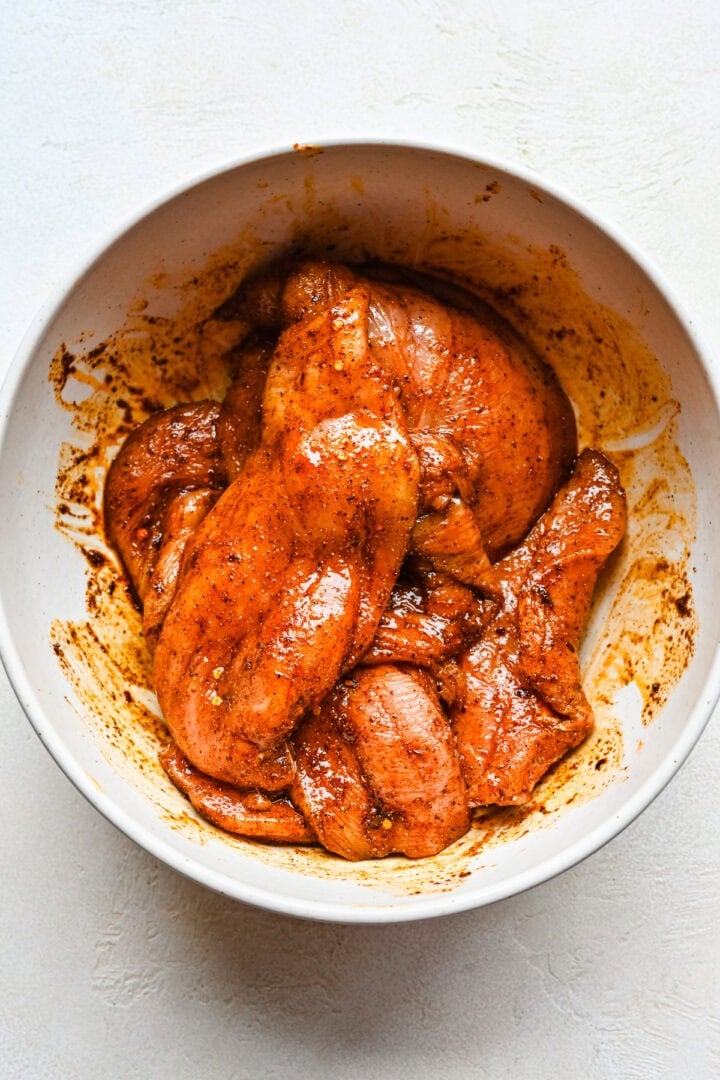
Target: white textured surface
(114, 966)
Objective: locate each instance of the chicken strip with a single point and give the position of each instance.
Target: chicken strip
(284, 582)
(523, 705)
(377, 770)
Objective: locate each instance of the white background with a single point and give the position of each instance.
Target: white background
(112, 966)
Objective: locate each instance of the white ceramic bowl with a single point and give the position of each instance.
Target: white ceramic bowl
(643, 392)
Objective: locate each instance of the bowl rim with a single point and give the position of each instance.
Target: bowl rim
(426, 906)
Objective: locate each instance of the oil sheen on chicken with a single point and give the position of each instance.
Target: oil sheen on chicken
(365, 574)
(285, 580)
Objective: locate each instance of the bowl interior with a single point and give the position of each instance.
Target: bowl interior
(642, 393)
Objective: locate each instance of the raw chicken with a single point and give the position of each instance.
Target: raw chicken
(429, 618)
(240, 419)
(163, 481)
(171, 470)
(284, 582)
(498, 431)
(377, 770)
(363, 622)
(247, 813)
(523, 705)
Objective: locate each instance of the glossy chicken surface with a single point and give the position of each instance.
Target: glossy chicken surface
(524, 706)
(285, 580)
(429, 618)
(247, 813)
(377, 770)
(492, 415)
(166, 477)
(239, 427)
(366, 572)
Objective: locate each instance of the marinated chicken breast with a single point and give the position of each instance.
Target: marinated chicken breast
(377, 770)
(494, 413)
(429, 619)
(285, 580)
(246, 813)
(163, 481)
(366, 573)
(169, 473)
(523, 705)
(240, 421)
